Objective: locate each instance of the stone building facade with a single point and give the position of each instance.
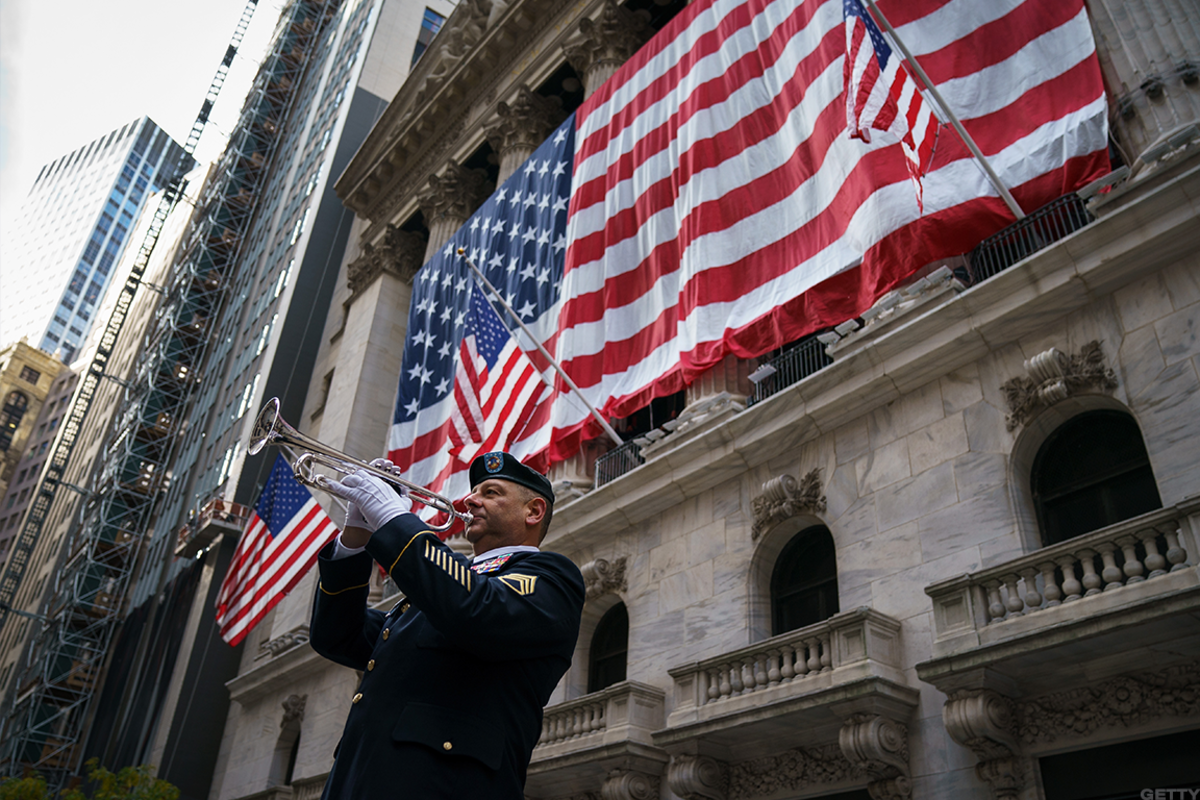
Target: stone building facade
(909, 503)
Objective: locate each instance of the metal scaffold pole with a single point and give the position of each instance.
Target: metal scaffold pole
(47, 709)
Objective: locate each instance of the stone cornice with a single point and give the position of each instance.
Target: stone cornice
(452, 87)
(1138, 239)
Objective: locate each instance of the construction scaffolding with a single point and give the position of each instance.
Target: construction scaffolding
(48, 713)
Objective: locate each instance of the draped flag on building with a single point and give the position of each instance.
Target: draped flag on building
(881, 94)
(466, 385)
(281, 541)
(718, 206)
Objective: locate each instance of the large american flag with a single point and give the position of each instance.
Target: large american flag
(281, 541)
(466, 385)
(881, 95)
(718, 206)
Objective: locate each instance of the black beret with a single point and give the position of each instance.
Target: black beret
(503, 466)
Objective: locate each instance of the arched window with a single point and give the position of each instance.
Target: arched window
(1092, 471)
(11, 414)
(804, 583)
(609, 650)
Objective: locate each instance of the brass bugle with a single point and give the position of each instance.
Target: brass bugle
(272, 429)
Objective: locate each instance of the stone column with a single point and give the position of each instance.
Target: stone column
(580, 469)
(449, 201)
(627, 784)
(731, 378)
(607, 43)
(521, 127)
(984, 722)
(1150, 53)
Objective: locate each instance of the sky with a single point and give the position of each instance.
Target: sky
(74, 70)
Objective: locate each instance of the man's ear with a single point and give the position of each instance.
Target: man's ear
(535, 510)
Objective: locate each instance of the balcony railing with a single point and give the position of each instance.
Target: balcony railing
(1022, 239)
(792, 662)
(1110, 560)
(626, 710)
(791, 367)
(617, 462)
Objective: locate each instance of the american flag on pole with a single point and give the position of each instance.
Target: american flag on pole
(466, 385)
(496, 387)
(881, 95)
(285, 532)
(718, 207)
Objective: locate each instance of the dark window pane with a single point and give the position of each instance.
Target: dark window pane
(1092, 472)
(610, 648)
(804, 583)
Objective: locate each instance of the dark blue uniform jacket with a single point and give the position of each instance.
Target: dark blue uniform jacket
(454, 678)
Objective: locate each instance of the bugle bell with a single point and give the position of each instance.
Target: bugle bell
(272, 429)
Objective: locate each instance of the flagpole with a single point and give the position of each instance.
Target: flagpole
(562, 373)
(1005, 195)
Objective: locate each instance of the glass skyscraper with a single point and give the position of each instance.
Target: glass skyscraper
(72, 228)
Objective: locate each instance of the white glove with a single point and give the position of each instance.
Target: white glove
(375, 499)
(354, 517)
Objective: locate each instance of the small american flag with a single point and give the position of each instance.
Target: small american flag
(280, 543)
(881, 95)
(496, 387)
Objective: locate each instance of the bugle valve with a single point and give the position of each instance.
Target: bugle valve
(270, 428)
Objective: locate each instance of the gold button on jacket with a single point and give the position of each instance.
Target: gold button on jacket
(370, 665)
(386, 631)
(357, 697)
(447, 746)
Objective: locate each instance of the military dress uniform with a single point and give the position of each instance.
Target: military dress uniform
(454, 677)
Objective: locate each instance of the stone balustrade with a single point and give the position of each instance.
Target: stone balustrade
(788, 661)
(601, 715)
(572, 720)
(1113, 559)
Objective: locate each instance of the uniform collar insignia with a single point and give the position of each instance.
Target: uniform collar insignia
(491, 564)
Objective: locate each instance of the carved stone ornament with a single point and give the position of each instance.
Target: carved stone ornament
(525, 123)
(610, 39)
(698, 778)
(784, 497)
(399, 253)
(1053, 377)
(1124, 702)
(602, 577)
(879, 747)
(456, 193)
(797, 770)
(985, 723)
(293, 709)
(284, 642)
(623, 784)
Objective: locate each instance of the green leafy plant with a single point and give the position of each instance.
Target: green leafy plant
(130, 783)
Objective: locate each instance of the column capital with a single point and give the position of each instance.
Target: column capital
(523, 123)
(626, 784)
(607, 42)
(456, 193)
(984, 722)
(879, 747)
(399, 253)
(695, 777)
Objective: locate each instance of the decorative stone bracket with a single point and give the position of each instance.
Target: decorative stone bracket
(784, 497)
(293, 709)
(285, 641)
(984, 722)
(625, 784)
(1053, 377)
(602, 577)
(695, 777)
(879, 747)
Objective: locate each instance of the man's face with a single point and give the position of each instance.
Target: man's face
(499, 510)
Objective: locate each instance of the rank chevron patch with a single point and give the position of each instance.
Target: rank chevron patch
(521, 584)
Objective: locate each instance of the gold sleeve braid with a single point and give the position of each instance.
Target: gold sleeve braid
(452, 566)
